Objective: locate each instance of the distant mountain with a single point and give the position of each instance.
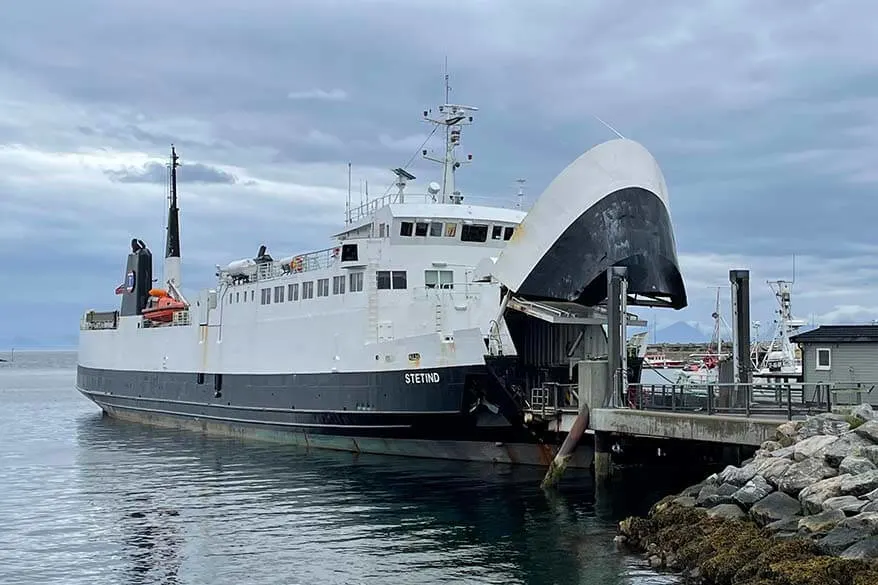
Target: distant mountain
(679, 332)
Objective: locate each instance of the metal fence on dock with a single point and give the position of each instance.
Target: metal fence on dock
(761, 399)
(787, 400)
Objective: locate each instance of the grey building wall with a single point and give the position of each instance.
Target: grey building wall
(849, 362)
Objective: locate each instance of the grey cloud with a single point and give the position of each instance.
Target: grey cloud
(155, 172)
(333, 95)
(762, 116)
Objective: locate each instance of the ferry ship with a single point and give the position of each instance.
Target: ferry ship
(430, 327)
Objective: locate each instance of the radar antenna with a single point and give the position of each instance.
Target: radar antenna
(452, 117)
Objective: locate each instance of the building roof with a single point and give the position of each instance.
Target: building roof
(838, 334)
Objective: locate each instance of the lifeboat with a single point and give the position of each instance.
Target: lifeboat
(163, 310)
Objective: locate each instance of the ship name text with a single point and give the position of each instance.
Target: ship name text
(422, 378)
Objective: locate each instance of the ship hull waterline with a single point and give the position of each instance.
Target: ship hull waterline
(348, 439)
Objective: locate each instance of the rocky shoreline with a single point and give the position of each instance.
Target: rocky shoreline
(803, 510)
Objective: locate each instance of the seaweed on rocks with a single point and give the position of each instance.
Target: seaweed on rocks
(732, 552)
(789, 516)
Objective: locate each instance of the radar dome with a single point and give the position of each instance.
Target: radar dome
(433, 188)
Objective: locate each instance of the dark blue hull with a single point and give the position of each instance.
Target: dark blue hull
(368, 412)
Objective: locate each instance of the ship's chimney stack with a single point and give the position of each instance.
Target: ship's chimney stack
(172, 250)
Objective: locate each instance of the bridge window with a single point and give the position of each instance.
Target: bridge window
(308, 290)
(278, 294)
(395, 279)
(338, 285)
(293, 292)
(349, 253)
(824, 358)
(238, 297)
(405, 228)
(507, 233)
(421, 228)
(266, 296)
(382, 230)
(439, 278)
(323, 287)
(474, 233)
(450, 230)
(436, 229)
(356, 282)
(496, 232)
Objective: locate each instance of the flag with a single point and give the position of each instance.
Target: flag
(120, 289)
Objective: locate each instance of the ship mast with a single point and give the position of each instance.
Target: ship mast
(172, 249)
(452, 117)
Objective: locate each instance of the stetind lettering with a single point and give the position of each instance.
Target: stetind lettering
(422, 378)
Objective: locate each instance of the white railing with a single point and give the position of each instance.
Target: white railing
(319, 260)
(454, 291)
(369, 208)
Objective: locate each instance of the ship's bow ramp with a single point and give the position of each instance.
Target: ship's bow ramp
(607, 208)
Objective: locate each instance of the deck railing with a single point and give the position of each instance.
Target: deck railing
(756, 399)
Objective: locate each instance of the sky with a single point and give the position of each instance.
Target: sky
(763, 118)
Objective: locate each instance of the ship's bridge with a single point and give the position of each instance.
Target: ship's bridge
(438, 224)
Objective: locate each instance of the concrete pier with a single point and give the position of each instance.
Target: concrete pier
(726, 429)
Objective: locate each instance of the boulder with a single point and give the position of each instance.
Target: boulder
(770, 446)
(865, 549)
(855, 465)
(869, 451)
(726, 489)
(840, 539)
(784, 452)
(860, 485)
(873, 495)
(807, 472)
(737, 475)
(685, 501)
(820, 523)
(773, 507)
(868, 430)
(727, 511)
(850, 505)
(813, 496)
(863, 412)
(870, 507)
(846, 445)
(753, 491)
(825, 423)
(864, 521)
(711, 496)
(806, 448)
(774, 469)
(786, 433)
(786, 524)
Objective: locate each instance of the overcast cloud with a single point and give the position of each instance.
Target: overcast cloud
(763, 117)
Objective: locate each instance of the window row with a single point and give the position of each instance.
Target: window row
(385, 280)
(468, 233)
(290, 292)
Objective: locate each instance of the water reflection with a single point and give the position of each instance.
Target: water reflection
(336, 517)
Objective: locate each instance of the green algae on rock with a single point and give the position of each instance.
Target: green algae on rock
(718, 551)
(803, 510)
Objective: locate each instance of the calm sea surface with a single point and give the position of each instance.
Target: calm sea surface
(84, 499)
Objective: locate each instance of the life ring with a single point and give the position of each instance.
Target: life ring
(335, 252)
(296, 264)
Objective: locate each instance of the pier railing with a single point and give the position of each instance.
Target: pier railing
(787, 400)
